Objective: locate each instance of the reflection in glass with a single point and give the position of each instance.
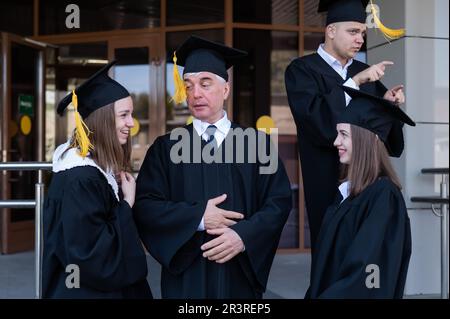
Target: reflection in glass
(133, 72)
(266, 11)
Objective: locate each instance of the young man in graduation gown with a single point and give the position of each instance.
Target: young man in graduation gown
(91, 245)
(213, 226)
(364, 244)
(316, 98)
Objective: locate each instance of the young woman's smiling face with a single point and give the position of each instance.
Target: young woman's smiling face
(343, 142)
(123, 110)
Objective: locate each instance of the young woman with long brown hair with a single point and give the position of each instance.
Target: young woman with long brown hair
(364, 242)
(91, 245)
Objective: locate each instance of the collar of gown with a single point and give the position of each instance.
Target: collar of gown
(72, 159)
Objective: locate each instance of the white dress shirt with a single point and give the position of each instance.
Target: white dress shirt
(337, 66)
(223, 127)
(344, 188)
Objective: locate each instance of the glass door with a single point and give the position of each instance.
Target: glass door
(22, 137)
(140, 69)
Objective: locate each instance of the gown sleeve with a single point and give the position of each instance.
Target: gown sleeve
(383, 239)
(261, 232)
(100, 236)
(313, 110)
(165, 226)
(396, 142)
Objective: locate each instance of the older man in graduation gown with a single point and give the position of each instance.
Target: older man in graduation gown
(213, 226)
(315, 95)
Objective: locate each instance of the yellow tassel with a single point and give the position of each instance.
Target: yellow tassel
(81, 130)
(390, 34)
(180, 89)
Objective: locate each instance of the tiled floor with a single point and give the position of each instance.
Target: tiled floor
(289, 276)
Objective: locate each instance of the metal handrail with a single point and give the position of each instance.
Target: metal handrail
(38, 204)
(25, 166)
(17, 203)
(439, 170)
(443, 201)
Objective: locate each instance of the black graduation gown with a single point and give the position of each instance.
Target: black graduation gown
(316, 98)
(372, 228)
(170, 203)
(85, 225)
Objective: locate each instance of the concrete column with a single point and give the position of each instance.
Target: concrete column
(421, 63)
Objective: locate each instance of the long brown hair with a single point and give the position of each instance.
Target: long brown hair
(370, 160)
(108, 153)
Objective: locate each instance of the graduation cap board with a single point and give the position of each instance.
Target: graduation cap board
(355, 10)
(377, 115)
(97, 91)
(200, 55)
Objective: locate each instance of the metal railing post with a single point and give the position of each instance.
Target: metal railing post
(38, 205)
(39, 194)
(444, 242)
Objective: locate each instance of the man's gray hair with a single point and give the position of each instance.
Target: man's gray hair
(221, 79)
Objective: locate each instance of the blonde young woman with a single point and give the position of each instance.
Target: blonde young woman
(364, 243)
(91, 245)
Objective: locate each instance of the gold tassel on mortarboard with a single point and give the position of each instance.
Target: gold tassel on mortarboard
(180, 89)
(81, 130)
(390, 34)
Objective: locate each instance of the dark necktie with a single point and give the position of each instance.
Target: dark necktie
(210, 132)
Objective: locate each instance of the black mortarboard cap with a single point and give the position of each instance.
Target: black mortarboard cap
(377, 115)
(200, 55)
(97, 91)
(344, 10)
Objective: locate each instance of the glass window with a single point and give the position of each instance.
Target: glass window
(259, 89)
(251, 77)
(312, 42)
(83, 53)
(259, 79)
(312, 18)
(284, 50)
(288, 151)
(74, 64)
(50, 103)
(177, 115)
(266, 11)
(23, 143)
(99, 15)
(181, 12)
(17, 17)
(133, 72)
